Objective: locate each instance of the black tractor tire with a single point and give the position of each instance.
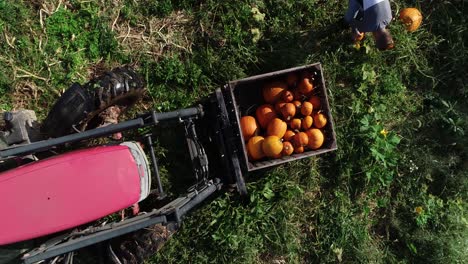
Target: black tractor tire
(71, 108)
(139, 246)
(79, 107)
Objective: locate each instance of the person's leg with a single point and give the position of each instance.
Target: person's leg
(383, 39)
(353, 7)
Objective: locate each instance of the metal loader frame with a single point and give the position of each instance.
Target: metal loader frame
(223, 136)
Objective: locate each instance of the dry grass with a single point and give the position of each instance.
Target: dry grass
(156, 36)
(25, 95)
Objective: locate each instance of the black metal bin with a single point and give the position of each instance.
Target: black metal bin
(245, 94)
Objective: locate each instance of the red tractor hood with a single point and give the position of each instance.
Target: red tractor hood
(69, 190)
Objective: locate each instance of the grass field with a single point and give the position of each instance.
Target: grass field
(396, 189)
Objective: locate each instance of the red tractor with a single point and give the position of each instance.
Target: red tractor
(55, 188)
(62, 185)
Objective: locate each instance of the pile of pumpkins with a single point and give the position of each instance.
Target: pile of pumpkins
(289, 120)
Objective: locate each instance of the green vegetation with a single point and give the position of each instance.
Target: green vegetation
(394, 192)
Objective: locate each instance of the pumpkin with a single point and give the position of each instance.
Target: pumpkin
(316, 138)
(305, 86)
(411, 17)
(291, 79)
(288, 148)
(315, 101)
(276, 127)
(289, 135)
(254, 148)
(307, 122)
(249, 127)
(299, 150)
(298, 104)
(301, 139)
(306, 108)
(288, 111)
(272, 146)
(273, 91)
(295, 124)
(298, 95)
(278, 106)
(320, 120)
(287, 96)
(265, 113)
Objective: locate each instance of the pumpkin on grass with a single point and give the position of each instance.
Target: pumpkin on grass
(249, 127)
(411, 18)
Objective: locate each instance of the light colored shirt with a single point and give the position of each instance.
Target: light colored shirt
(369, 16)
(369, 3)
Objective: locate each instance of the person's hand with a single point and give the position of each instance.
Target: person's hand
(357, 36)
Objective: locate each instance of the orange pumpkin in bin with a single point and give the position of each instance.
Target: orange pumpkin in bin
(254, 148)
(298, 105)
(288, 149)
(288, 135)
(249, 127)
(307, 122)
(272, 146)
(277, 127)
(295, 124)
(316, 138)
(320, 120)
(305, 86)
(287, 96)
(273, 91)
(265, 113)
(315, 101)
(299, 150)
(300, 140)
(288, 111)
(306, 108)
(279, 105)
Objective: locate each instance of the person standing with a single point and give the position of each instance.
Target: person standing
(371, 16)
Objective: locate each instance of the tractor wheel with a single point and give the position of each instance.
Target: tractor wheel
(79, 108)
(139, 246)
(70, 109)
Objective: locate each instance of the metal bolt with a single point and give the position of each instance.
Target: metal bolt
(7, 116)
